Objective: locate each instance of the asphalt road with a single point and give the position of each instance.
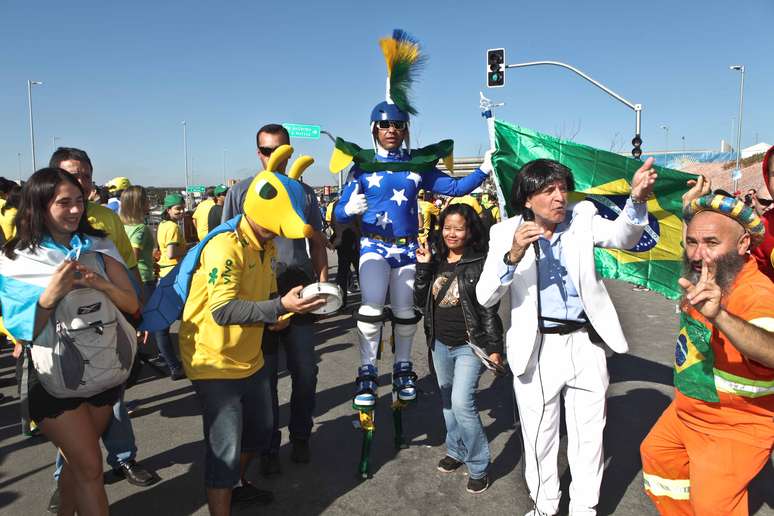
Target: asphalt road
(169, 436)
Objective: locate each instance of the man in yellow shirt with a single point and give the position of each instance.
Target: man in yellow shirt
(225, 314)
(77, 163)
(201, 213)
(427, 210)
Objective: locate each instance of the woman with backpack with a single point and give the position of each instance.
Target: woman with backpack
(445, 290)
(63, 285)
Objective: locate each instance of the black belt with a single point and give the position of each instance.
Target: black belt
(565, 327)
(396, 241)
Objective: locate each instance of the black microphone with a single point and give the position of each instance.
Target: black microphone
(529, 216)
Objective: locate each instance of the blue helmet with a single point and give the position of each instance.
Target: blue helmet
(386, 111)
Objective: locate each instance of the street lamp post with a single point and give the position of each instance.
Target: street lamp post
(740, 69)
(30, 84)
(224, 166)
(185, 154)
(18, 157)
(53, 143)
(666, 139)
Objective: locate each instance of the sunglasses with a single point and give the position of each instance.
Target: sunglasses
(400, 125)
(266, 151)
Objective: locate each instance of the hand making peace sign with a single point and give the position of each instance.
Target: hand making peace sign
(705, 296)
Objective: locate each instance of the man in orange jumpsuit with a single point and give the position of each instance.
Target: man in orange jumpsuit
(719, 431)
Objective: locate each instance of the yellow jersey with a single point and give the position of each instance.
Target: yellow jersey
(200, 215)
(427, 209)
(6, 221)
(105, 219)
(470, 201)
(168, 233)
(233, 265)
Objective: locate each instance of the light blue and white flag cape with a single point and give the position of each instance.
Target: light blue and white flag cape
(23, 279)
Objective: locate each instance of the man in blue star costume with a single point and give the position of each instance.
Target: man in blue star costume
(387, 201)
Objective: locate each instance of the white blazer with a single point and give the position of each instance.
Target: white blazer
(586, 230)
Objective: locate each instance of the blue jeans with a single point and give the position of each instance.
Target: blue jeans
(458, 370)
(118, 440)
(237, 419)
(298, 342)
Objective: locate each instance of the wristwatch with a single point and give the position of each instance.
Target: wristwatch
(507, 259)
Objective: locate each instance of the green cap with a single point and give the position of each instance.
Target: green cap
(172, 199)
(220, 190)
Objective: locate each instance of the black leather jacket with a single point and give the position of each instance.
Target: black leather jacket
(485, 329)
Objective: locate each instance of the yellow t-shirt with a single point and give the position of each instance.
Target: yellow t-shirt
(105, 219)
(200, 215)
(470, 201)
(427, 209)
(6, 221)
(329, 212)
(233, 265)
(168, 233)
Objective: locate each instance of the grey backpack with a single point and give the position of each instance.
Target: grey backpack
(87, 346)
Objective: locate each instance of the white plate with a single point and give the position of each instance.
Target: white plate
(328, 291)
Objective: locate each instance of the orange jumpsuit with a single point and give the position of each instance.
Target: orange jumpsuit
(701, 455)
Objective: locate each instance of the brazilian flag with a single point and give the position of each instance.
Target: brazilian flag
(604, 178)
(695, 360)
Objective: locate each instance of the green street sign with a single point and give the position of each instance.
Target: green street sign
(195, 189)
(303, 131)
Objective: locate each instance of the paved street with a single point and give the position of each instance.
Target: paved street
(169, 437)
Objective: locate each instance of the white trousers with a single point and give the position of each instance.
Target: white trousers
(376, 276)
(574, 368)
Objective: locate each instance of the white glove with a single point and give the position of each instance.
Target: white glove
(356, 205)
(486, 166)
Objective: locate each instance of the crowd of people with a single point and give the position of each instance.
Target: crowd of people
(698, 458)
(81, 271)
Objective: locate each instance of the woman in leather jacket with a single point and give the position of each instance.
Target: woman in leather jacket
(445, 290)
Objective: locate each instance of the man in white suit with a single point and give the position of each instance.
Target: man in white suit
(560, 316)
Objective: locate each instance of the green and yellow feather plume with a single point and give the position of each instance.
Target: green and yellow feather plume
(405, 60)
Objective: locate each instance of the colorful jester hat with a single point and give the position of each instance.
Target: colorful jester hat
(404, 60)
(275, 201)
(732, 208)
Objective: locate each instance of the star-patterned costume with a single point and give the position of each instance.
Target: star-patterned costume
(390, 225)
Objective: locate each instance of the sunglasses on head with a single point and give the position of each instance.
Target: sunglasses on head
(266, 151)
(396, 124)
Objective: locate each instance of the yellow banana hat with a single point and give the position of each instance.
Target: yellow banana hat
(275, 201)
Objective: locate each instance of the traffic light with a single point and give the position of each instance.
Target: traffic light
(495, 67)
(637, 143)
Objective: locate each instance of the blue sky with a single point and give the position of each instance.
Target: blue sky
(119, 78)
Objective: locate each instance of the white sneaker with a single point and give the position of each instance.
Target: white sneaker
(536, 512)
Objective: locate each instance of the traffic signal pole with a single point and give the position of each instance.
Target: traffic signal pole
(637, 108)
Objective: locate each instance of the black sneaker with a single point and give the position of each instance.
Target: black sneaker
(300, 451)
(270, 464)
(478, 485)
(448, 465)
(177, 374)
(53, 502)
(248, 493)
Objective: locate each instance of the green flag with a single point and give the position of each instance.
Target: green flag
(604, 178)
